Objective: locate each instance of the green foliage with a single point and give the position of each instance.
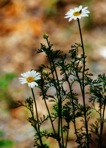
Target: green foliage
(5, 143)
(5, 80)
(4, 84)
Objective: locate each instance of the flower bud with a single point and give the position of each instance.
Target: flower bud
(45, 36)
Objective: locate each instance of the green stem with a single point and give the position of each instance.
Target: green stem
(44, 98)
(40, 139)
(71, 97)
(99, 145)
(35, 126)
(50, 116)
(101, 127)
(59, 105)
(58, 89)
(83, 85)
(57, 95)
(67, 136)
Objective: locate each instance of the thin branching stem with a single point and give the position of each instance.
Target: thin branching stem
(83, 84)
(101, 125)
(35, 126)
(67, 136)
(71, 100)
(59, 142)
(58, 89)
(34, 99)
(44, 98)
(59, 105)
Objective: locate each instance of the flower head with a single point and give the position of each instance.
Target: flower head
(77, 13)
(30, 78)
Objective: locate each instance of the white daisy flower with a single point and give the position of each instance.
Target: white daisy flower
(77, 13)
(30, 78)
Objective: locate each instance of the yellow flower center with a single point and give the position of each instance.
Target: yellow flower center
(77, 13)
(30, 79)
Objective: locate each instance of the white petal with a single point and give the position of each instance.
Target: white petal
(32, 84)
(67, 16)
(76, 9)
(75, 18)
(24, 75)
(70, 19)
(80, 7)
(22, 80)
(85, 8)
(38, 77)
(36, 84)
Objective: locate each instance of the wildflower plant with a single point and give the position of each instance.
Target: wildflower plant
(67, 109)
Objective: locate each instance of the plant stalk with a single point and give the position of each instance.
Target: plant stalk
(57, 85)
(82, 84)
(40, 139)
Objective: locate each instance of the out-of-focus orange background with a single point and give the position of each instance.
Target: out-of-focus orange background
(22, 25)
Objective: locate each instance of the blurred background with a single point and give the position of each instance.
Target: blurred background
(22, 25)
